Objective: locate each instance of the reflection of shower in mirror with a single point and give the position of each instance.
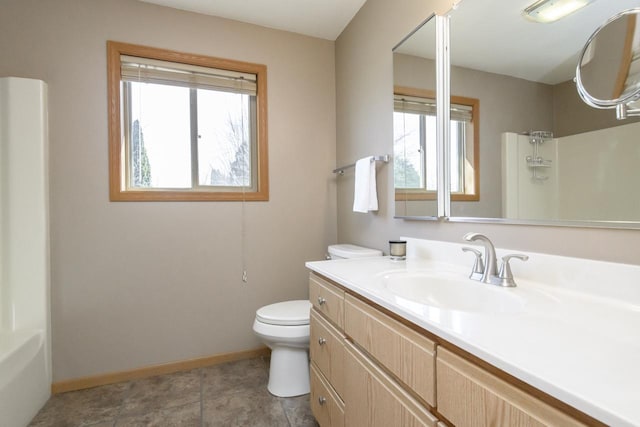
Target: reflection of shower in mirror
(527, 193)
(536, 161)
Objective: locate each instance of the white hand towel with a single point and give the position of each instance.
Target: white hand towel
(365, 197)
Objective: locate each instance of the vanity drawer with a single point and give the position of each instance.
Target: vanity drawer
(325, 404)
(470, 396)
(373, 399)
(326, 347)
(404, 352)
(327, 299)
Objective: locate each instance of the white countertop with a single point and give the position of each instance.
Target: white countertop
(581, 348)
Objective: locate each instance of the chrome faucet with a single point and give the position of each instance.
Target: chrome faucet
(488, 273)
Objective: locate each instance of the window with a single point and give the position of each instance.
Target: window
(414, 148)
(185, 127)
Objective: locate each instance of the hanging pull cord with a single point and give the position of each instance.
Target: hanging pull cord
(243, 225)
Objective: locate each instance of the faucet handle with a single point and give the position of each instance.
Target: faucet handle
(478, 265)
(505, 274)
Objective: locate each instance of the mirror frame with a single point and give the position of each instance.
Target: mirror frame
(443, 94)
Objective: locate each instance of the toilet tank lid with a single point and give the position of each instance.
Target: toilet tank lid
(287, 313)
(346, 250)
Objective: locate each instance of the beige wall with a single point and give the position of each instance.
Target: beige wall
(136, 284)
(364, 79)
(572, 115)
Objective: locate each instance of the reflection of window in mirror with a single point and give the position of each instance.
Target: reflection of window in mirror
(414, 146)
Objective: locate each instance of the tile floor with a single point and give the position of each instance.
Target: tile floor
(230, 394)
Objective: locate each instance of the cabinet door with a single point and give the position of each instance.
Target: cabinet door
(469, 396)
(325, 405)
(373, 399)
(326, 348)
(327, 299)
(404, 352)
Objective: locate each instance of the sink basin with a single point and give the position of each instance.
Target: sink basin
(452, 291)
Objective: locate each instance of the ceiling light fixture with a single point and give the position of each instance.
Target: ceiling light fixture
(546, 11)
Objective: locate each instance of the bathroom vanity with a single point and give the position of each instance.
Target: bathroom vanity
(416, 343)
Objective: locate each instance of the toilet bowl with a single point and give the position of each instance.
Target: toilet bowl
(284, 328)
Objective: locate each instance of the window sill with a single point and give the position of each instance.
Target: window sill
(187, 196)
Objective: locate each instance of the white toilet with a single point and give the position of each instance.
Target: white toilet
(284, 328)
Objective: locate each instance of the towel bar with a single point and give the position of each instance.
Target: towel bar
(384, 159)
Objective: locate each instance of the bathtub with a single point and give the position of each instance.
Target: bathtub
(24, 380)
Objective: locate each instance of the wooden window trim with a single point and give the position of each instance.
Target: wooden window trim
(116, 192)
(474, 103)
(627, 56)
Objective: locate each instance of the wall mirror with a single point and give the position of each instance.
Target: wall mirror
(545, 156)
(415, 159)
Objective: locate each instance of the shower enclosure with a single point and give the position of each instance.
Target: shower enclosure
(25, 344)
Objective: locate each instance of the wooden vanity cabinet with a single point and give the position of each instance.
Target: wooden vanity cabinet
(408, 355)
(373, 399)
(326, 349)
(327, 299)
(469, 396)
(326, 405)
(370, 369)
(352, 386)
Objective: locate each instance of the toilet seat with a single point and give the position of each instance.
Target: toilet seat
(287, 313)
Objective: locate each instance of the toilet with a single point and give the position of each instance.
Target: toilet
(284, 328)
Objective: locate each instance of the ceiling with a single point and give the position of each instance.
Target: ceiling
(493, 36)
(318, 18)
(487, 35)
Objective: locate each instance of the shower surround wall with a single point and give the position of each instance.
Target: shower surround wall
(603, 164)
(591, 176)
(25, 357)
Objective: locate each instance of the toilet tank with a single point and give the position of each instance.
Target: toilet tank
(351, 251)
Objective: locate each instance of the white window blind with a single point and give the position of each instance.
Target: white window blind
(416, 105)
(147, 70)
